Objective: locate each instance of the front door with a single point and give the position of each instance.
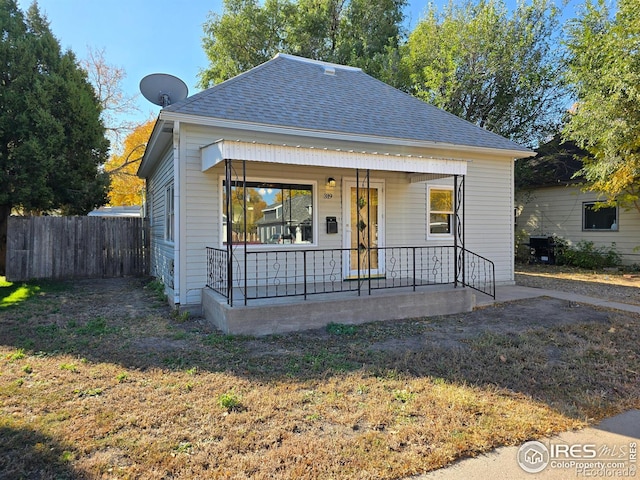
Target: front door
(364, 230)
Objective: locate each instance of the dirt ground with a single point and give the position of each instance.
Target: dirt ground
(128, 297)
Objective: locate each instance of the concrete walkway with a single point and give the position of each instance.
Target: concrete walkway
(607, 450)
(516, 292)
(612, 442)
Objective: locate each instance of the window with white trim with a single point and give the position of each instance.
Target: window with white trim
(595, 217)
(275, 213)
(169, 213)
(440, 221)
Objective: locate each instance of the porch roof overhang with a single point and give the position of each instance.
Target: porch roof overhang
(222, 150)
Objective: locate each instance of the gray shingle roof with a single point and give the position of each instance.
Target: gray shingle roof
(295, 92)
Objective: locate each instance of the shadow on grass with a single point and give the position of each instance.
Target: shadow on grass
(28, 454)
(577, 359)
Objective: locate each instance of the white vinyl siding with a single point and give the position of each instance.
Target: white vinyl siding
(558, 211)
(489, 214)
(162, 252)
(489, 207)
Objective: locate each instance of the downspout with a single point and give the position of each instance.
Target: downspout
(177, 217)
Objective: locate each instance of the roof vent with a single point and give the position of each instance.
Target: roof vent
(329, 70)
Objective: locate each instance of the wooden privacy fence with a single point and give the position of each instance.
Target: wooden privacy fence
(74, 247)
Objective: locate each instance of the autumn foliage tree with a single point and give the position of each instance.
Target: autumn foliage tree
(126, 187)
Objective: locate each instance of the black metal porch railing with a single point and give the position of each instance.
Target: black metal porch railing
(285, 273)
(479, 273)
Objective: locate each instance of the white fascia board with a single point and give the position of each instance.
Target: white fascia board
(345, 137)
(213, 154)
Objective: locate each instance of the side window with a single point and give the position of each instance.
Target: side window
(599, 218)
(440, 211)
(169, 213)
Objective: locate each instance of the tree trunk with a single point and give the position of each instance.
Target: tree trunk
(5, 211)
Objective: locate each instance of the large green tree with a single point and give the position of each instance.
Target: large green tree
(604, 71)
(360, 33)
(52, 141)
(496, 68)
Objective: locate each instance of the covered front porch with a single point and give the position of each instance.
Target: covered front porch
(306, 280)
(279, 291)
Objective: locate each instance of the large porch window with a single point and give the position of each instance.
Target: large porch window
(269, 213)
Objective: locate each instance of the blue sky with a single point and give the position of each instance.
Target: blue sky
(146, 36)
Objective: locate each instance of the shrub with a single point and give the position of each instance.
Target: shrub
(586, 255)
(521, 248)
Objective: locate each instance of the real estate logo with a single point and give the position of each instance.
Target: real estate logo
(585, 459)
(533, 457)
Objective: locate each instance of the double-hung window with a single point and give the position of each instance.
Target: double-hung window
(440, 220)
(169, 213)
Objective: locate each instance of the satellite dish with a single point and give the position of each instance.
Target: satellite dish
(163, 89)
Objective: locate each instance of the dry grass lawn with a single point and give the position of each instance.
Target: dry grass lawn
(99, 380)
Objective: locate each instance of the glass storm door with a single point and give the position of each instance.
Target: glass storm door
(364, 231)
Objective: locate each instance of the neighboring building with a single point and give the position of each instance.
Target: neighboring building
(388, 191)
(554, 203)
(120, 211)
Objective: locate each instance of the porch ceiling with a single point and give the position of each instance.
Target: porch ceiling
(222, 150)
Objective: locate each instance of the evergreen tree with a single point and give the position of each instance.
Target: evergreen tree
(52, 141)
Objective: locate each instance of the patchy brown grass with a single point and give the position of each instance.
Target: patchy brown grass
(99, 381)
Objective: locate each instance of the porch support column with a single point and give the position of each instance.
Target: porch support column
(459, 229)
(369, 226)
(356, 225)
(244, 207)
(229, 210)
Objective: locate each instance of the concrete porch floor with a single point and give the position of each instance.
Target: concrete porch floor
(288, 314)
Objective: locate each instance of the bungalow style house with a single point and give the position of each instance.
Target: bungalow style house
(555, 204)
(301, 193)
